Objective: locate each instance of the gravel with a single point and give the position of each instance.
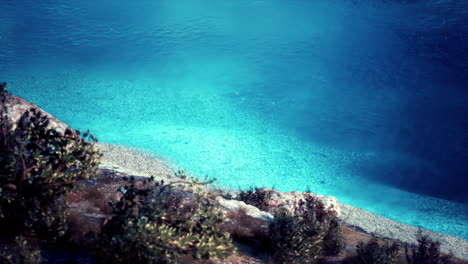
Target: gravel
(134, 162)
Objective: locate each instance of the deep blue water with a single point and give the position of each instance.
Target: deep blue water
(363, 100)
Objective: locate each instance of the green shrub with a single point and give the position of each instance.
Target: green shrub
(372, 253)
(21, 253)
(256, 197)
(153, 223)
(427, 251)
(37, 167)
(294, 241)
(305, 235)
(3, 89)
(333, 240)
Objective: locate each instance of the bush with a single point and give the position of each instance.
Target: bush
(372, 253)
(152, 223)
(3, 89)
(37, 167)
(256, 197)
(21, 253)
(333, 240)
(426, 252)
(294, 241)
(305, 235)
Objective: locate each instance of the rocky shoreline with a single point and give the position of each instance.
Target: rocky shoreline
(383, 227)
(138, 163)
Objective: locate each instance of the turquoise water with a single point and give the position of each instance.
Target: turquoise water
(362, 100)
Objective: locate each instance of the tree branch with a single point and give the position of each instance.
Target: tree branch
(25, 170)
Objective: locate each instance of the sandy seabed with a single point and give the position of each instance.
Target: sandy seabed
(139, 163)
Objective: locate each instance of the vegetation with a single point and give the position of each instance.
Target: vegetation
(3, 89)
(333, 240)
(21, 252)
(38, 166)
(256, 197)
(373, 253)
(154, 224)
(305, 235)
(427, 251)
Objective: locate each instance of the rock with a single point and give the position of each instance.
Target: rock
(17, 106)
(289, 200)
(235, 205)
(331, 204)
(244, 221)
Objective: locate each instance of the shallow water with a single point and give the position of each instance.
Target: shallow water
(362, 100)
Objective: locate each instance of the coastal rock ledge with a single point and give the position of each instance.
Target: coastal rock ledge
(17, 106)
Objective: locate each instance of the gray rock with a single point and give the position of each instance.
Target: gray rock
(289, 200)
(235, 205)
(17, 106)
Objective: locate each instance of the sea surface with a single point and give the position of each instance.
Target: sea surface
(363, 100)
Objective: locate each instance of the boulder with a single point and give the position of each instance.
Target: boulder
(289, 200)
(235, 205)
(244, 221)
